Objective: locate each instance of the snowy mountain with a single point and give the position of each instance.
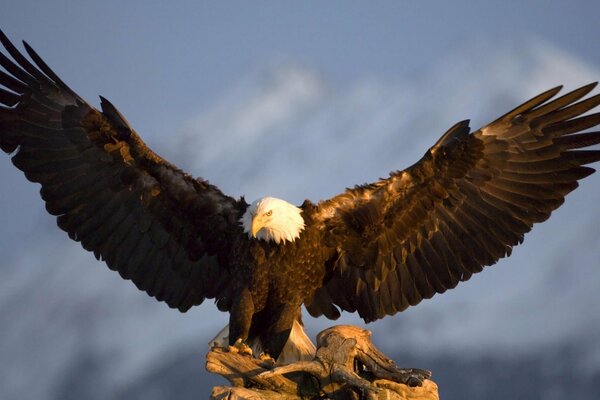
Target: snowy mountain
(73, 329)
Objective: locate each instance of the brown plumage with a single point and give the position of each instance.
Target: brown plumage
(375, 249)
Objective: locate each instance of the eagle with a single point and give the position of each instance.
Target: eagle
(375, 249)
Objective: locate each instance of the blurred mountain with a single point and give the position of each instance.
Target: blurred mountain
(72, 329)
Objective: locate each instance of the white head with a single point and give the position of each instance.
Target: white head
(273, 219)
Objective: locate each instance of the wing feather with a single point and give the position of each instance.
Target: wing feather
(463, 206)
(166, 231)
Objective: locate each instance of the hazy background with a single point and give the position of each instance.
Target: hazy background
(301, 99)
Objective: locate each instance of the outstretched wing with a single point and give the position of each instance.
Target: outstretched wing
(461, 207)
(167, 232)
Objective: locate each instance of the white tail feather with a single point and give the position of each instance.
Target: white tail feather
(299, 347)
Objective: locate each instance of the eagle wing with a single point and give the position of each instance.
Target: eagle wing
(166, 231)
(461, 207)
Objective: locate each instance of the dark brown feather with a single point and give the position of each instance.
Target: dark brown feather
(147, 219)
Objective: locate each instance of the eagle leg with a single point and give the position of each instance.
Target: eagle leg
(240, 317)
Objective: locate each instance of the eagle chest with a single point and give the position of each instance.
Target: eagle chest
(279, 274)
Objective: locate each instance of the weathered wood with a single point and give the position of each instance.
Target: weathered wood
(346, 366)
(240, 393)
(391, 391)
(244, 371)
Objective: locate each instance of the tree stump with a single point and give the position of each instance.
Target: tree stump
(346, 366)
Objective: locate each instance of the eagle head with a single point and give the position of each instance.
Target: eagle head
(273, 219)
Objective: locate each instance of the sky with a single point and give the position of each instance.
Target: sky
(161, 60)
(164, 63)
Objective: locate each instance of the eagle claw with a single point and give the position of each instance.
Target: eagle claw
(240, 347)
(266, 361)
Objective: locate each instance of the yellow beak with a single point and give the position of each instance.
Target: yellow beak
(257, 224)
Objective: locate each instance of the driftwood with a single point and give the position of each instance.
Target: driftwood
(346, 366)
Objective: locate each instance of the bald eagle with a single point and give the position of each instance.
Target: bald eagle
(375, 249)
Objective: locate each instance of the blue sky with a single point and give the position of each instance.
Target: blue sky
(151, 56)
(163, 64)
(160, 62)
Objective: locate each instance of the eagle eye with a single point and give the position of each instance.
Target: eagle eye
(269, 213)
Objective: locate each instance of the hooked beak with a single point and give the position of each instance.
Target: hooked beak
(257, 225)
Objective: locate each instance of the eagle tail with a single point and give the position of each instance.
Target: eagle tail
(299, 347)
